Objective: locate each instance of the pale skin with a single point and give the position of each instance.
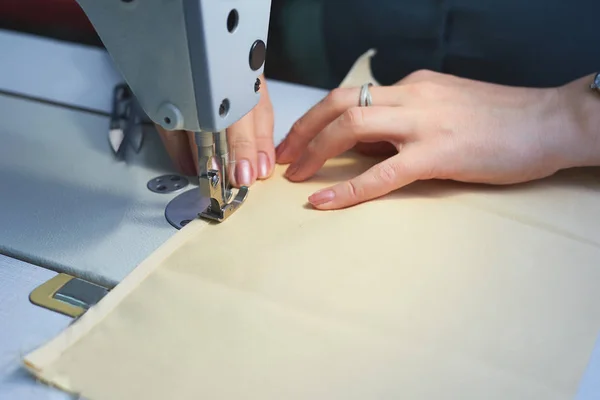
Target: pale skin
(438, 126)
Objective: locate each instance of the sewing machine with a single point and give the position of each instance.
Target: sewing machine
(192, 65)
(188, 65)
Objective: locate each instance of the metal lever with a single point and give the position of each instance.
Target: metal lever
(213, 159)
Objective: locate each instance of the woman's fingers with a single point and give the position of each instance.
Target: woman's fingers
(395, 125)
(410, 165)
(328, 109)
(263, 126)
(194, 150)
(177, 145)
(242, 143)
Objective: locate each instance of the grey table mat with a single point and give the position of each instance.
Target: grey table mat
(23, 327)
(66, 203)
(58, 72)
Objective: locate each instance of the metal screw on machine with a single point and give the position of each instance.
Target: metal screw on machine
(224, 108)
(257, 85)
(171, 117)
(258, 53)
(167, 183)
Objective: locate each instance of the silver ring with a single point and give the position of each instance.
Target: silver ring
(365, 99)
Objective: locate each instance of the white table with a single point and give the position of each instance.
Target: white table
(43, 80)
(23, 326)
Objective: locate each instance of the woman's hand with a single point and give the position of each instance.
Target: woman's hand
(250, 141)
(437, 126)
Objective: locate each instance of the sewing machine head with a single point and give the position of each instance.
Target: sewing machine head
(193, 65)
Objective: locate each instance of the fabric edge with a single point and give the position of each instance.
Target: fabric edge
(37, 360)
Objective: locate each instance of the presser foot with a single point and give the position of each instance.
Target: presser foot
(220, 208)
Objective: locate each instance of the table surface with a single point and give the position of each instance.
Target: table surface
(46, 81)
(23, 327)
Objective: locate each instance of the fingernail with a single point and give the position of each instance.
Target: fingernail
(281, 150)
(321, 197)
(263, 165)
(243, 173)
(292, 169)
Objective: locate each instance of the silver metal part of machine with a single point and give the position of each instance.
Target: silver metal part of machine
(193, 65)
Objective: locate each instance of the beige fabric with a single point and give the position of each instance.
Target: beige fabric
(437, 291)
(360, 73)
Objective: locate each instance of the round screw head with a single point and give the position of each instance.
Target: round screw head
(167, 183)
(224, 108)
(258, 53)
(257, 85)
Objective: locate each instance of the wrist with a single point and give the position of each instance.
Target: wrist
(580, 129)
